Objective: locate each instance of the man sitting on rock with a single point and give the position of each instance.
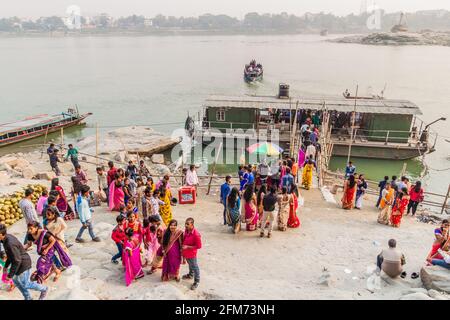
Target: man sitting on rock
(391, 260)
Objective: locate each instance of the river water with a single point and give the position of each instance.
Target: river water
(157, 80)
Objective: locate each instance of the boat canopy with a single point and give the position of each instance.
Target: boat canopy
(32, 122)
(374, 106)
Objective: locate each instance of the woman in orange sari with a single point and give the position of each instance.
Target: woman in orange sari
(294, 221)
(399, 208)
(171, 249)
(349, 193)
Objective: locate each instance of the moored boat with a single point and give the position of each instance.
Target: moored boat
(39, 125)
(253, 72)
(384, 128)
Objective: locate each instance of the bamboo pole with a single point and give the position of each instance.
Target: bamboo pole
(353, 126)
(214, 168)
(62, 141)
(96, 143)
(444, 206)
(403, 172)
(45, 141)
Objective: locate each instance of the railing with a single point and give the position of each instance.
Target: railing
(227, 125)
(385, 136)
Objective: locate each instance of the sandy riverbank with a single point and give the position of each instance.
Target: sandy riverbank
(290, 265)
(326, 258)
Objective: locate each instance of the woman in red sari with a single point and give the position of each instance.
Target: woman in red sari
(349, 193)
(171, 250)
(62, 204)
(294, 221)
(116, 195)
(399, 208)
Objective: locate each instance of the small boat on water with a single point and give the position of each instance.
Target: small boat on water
(39, 125)
(253, 72)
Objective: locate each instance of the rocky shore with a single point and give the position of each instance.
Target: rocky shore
(399, 39)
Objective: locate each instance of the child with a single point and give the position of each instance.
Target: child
(41, 202)
(132, 257)
(159, 234)
(102, 179)
(150, 184)
(10, 283)
(123, 211)
(85, 215)
(51, 203)
(156, 202)
(140, 193)
(151, 244)
(131, 206)
(127, 190)
(134, 224)
(118, 236)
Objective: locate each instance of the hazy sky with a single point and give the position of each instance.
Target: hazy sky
(237, 8)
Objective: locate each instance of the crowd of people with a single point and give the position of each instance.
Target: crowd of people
(146, 234)
(261, 190)
(397, 197)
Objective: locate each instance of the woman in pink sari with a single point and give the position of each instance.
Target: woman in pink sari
(171, 249)
(116, 195)
(131, 257)
(251, 213)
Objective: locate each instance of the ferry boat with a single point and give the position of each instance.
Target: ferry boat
(39, 125)
(253, 72)
(384, 128)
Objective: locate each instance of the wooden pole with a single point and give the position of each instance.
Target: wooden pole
(402, 173)
(96, 143)
(214, 169)
(62, 140)
(444, 206)
(45, 141)
(294, 131)
(353, 127)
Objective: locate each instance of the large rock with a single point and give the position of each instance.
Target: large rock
(121, 156)
(28, 173)
(21, 164)
(437, 278)
(158, 158)
(142, 140)
(77, 294)
(49, 175)
(159, 170)
(416, 296)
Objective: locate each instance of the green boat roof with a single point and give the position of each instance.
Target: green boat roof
(340, 104)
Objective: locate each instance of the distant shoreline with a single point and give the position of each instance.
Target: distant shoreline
(138, 33)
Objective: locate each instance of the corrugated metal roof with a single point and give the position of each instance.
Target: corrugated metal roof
(379, 106)
(30, 122)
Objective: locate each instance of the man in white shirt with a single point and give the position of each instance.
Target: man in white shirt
(191, 177)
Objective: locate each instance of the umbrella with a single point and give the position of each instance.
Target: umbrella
(267, 148)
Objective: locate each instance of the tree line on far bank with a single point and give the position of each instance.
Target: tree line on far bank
(438, 20)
